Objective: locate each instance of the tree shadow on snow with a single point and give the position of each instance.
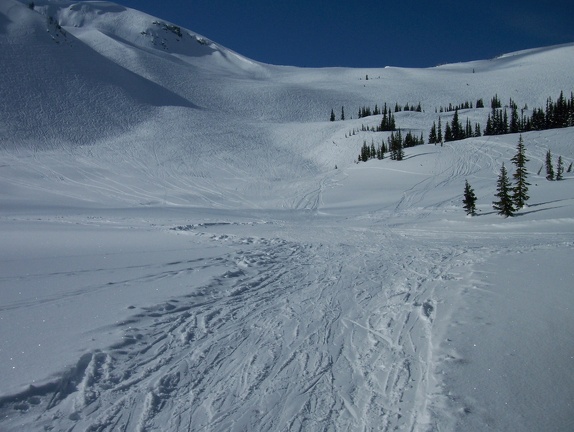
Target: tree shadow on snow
(418, 155)
(524, 213)
(544, 203)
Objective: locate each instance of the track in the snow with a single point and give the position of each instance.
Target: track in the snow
(292, 336)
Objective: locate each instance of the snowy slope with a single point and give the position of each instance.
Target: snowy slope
(180, 253)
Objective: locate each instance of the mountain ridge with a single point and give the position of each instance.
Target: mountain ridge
(90, 80)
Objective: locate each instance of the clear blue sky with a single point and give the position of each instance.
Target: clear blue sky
(370, 33)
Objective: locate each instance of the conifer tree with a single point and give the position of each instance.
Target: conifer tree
(504, 206)
(439, 132)
(343, 113)
(432, 134)
(520, 190)
(489, 129)
(477, 132)
(504, 125)
(549, 169)
(495, 102)
(514, 124)
(469, 201)
(456, 128)
(396, 146)
(332, 118)
(559, 168)
(468, 129)
(448, 136)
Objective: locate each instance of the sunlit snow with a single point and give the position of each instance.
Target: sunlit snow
(189, 244)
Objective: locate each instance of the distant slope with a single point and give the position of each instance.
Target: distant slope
(58, 90)
(134, 99)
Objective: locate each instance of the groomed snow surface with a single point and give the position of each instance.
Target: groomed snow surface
(179, 252)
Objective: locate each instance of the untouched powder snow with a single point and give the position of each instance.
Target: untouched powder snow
(188, 243)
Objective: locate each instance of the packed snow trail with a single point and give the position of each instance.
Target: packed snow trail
(331, 333)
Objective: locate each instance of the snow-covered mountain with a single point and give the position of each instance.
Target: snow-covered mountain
(189, 243)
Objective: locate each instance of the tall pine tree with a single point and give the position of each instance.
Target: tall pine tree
(432, 134)
(549, 168)
(504, 206)
(469, 201)
(520, 190)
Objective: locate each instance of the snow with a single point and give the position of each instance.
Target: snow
(180, 253)
(495, 326)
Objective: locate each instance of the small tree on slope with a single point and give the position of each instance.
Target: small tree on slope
(469, 201)
(504, 206)
(549, 169)
(520, 191)
(559, 168)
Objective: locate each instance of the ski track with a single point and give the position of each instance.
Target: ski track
(289, 337)
(328, 323)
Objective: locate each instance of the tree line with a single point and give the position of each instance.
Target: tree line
(395, 145)
(559, 114)
(366, 111)
(453, 131)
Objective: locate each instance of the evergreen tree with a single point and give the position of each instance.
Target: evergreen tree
(477, 130)
(489, 129)
(448, 136)
(468, 129)
(559, 168)
(383, 150)
(549, 169)
(469, 201)
(514, 124)
(396, 146)
(343, 113)
(495, 102)
(504, 206)
(332, 118)
(387, 122)
(432, 134)
(439, 132)
(456, 128)
(520, 191)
